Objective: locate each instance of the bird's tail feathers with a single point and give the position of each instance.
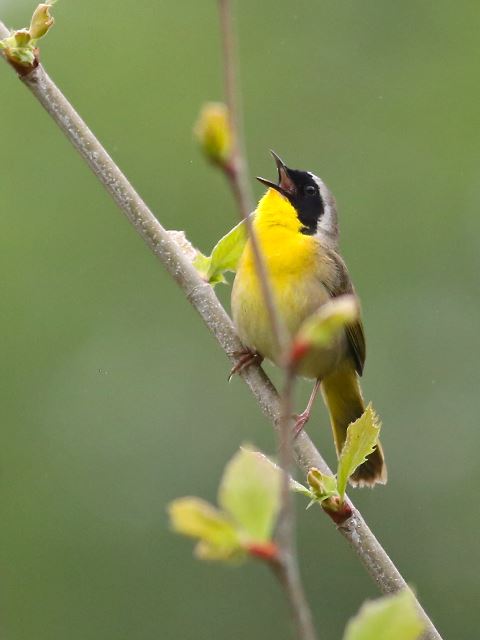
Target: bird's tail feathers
(343, 397)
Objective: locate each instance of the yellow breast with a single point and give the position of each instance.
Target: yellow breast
(294, 268)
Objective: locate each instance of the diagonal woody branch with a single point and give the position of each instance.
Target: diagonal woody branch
(203, 299)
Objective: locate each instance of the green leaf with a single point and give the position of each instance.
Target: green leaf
(322, 327)
(224, 257)
(228, 250)
(197, 518)
(250, 493)
(294, 485)
(41, 20)
(208, 551)
(322, 486)
(201, 264)
(362, 436)
(250, 497)
(300, 488)
(390, 618)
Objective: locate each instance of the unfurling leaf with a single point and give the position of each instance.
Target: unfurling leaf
(20, 46)
(393, 617)
(322, 486)
(213, 132)
(224, 257)
(41, 21)
(250, 494)
(197, 518)
(322, 327)
(22, 38)
(228, 250)
(362, 437)
(202, 264)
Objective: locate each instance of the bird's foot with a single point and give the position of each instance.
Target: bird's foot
(246, 358)
(301, 420)
(304, 417)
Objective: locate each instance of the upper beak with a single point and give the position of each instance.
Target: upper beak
(285, 185)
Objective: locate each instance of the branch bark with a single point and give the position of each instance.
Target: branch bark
(204, 300)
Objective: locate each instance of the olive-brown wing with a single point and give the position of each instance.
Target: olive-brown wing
(339, 284)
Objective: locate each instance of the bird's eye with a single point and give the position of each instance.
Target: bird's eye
(309, 190)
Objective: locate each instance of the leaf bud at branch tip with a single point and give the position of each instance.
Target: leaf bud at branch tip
(322, 327)
(299, 350)
(214, 134)
(314, 480)
(20, 48)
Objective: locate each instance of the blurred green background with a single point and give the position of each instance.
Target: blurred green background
(114, 395)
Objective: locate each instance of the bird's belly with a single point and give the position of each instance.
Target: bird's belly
(295, 301)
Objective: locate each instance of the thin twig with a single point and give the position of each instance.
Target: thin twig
(203, 299)
(291, 583)
(235, 170)
(288, 571)
(238, 166)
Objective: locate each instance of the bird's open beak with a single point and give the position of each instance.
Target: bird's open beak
(285, 185)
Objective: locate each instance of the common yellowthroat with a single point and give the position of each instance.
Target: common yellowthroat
(296, 226)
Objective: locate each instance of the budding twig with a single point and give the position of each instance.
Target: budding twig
(203, 299)
(236, 170)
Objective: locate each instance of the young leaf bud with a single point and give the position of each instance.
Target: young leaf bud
(213, 132)
(22, 37)
(322, 485)
(322, 327)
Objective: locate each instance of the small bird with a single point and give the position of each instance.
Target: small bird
(297, 230)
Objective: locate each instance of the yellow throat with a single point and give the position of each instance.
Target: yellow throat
(287, 251)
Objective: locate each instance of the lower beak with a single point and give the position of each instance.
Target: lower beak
(285, 185)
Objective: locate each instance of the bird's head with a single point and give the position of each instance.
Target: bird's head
(309, 196)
